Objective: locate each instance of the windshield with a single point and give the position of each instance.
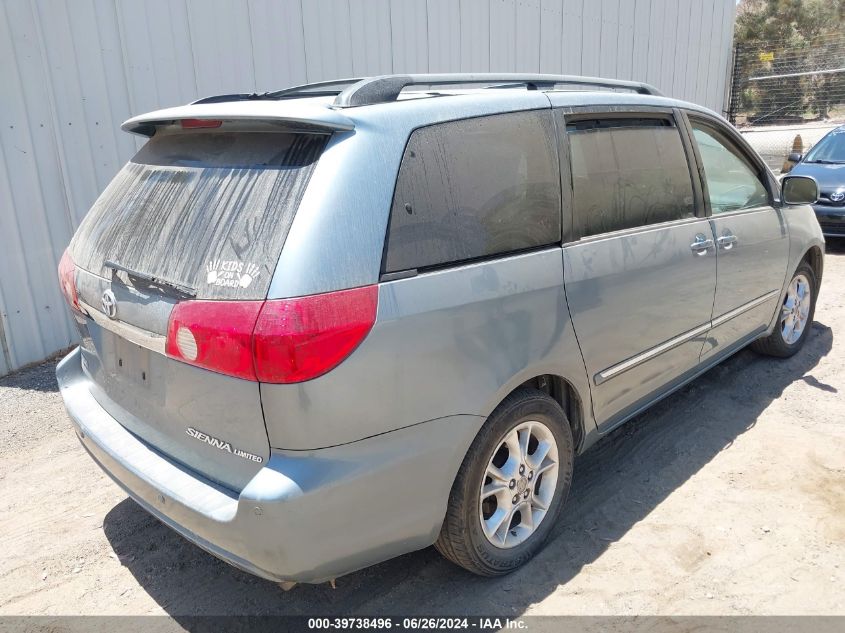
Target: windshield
(208, 211)
(831, 149)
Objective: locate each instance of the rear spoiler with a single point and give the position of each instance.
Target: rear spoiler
(310, 115)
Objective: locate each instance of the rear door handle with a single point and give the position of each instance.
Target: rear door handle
(726, 241)
(701, 244)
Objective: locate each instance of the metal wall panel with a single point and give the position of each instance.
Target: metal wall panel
(73, 70)
(609, 37)
(475, 36)
(371, 38)
(409, 36)
(444, 36)
(551, 40)
(681, 50)
(503, 35)
(527, 36)
(572, 31)
(591, 28)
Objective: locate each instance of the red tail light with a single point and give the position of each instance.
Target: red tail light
(278, 341)
(67, 281)
(216, 335)
(299, 339)
(189, 124)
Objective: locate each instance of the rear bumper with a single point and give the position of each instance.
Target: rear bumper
(306, 516)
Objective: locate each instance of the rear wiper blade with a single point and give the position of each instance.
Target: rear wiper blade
(240, 96)
(158, 282)
(319, 89)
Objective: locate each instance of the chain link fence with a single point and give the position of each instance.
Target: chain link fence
(786, 95)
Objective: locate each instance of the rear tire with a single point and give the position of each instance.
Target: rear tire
(796, 311)
(525, 486)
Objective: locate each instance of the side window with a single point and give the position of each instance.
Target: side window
(475, 188)
(627, 173)
(732, 181)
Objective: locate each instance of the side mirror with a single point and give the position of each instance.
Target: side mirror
(795, 157)
(799, 190)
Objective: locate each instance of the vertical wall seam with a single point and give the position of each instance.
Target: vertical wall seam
(427, 43)
(93, 176)
(304, 45)
(710, 52)
(8, 365)
(460, 35)
(251, 45)
(581, 52)
(191, 48)
(390, 27)
(115, 129)
(40, 208)
(490, 33)
(675, 68)
(28, 298)
(349, 35)
(648, 44)
(58, 144)
(59, 150)
(562, 27)
(121, 36)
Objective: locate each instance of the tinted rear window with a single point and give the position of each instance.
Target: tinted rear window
(475, 188)
(628, 173)
(207, 210)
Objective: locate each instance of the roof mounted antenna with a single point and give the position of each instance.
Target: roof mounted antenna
(386, 88)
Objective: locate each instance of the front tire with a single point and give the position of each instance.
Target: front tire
(795, 318)
(511, 486)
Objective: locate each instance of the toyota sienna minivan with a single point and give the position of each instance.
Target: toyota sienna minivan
(333, 324)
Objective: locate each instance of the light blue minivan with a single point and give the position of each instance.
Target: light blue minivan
(330, 325)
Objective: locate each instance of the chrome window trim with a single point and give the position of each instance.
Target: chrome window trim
(468, 263)
(674, 342)
(634, 230)
(761, 208)
(148, 340)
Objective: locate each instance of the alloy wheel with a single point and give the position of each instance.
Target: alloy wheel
(519, 484)
(796, 309)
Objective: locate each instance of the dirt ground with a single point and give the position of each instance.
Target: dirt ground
(726, 498)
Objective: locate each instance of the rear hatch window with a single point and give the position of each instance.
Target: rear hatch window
(206, 210)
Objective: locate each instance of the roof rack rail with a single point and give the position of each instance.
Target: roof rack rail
(386, 88)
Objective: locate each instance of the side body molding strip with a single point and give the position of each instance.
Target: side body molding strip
(647, 355)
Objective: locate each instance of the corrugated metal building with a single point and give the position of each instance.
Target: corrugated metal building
(73, 70)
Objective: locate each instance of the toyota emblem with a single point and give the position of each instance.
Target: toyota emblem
(837, 196)
(109, 303)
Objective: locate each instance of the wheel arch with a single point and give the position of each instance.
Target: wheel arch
(566, 395)
(815, 258)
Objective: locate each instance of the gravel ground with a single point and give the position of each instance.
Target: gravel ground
(726, 498)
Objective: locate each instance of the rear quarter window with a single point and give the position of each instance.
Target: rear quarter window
(205, 210)
(475, 188)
